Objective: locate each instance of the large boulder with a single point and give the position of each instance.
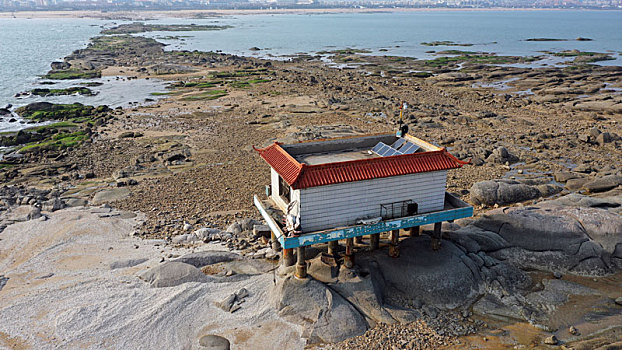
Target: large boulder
(447, 278)
(38, 106)
(214, 342)
(21, 213)
(325, 316)
(504, 192)
(534, 229)
(501, 155)
(435, 277)
(53, 204)
(173, 273)
(365, 291)
(60, 65)
(606, 137)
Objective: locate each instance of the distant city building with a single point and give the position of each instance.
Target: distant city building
(14, 5)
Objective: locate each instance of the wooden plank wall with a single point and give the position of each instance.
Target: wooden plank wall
(338, 205)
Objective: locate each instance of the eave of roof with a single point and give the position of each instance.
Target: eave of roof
(299, 175)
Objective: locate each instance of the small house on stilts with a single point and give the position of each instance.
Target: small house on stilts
(347, 188)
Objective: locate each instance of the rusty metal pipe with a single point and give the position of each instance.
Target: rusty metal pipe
(287, 257)
(332, 248)
(301, 265)
(437, 236)
(348, 259)
(374, 241)
(394, 249)
(415, 231)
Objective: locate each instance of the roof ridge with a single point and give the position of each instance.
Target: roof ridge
(277, 145)
(462, 162)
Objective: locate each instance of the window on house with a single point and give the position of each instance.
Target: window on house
(284, 190)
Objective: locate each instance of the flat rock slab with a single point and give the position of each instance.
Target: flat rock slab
(565, 176)
(105, 196)
(611, 203)
(75, 202)
(604, 183)
(576, 184)
(206, 258)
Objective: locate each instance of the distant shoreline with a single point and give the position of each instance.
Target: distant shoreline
(147, 14)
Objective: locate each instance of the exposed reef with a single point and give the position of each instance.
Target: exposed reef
(139, 27)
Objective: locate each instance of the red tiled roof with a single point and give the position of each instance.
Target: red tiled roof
(300, 175)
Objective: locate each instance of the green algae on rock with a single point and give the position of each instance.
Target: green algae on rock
(41, 111)
(72, 74)
(139, 27)
(58, 92)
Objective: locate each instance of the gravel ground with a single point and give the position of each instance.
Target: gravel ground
(427, 332)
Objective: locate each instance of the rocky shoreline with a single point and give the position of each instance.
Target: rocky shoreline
(545, 156)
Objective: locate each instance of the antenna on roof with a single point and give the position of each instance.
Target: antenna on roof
(403, 128)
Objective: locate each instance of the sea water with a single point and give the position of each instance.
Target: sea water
(401, 33)
(28, 46)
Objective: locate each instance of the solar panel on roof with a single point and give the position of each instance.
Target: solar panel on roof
(409, 148)
(378, 147)
(384, 150)
(392, 152)
(397, 144)
(381, 149)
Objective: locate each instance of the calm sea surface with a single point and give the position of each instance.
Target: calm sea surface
(27, 46)
(402, 33)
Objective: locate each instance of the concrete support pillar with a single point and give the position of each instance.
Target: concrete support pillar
(436, 236)
(374, 241)
(276, 246)
(332, 248)
(348, 259)
(287, 257)
(394, 249)
(301, 265)
(415, 231)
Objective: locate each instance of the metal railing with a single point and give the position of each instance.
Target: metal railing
(398, 209)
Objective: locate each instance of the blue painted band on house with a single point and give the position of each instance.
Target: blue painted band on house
(306, 239)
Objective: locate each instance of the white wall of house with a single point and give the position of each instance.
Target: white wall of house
(295, 195)
(274, 185)
(338, 205)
